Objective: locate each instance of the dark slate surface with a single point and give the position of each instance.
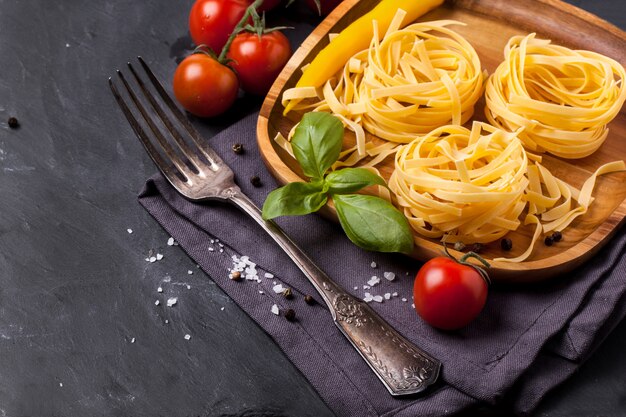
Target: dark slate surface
(80, 334)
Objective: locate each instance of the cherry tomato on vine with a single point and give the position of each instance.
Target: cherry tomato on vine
(259, 60)
(203, 86)
(449, 294)
(212, 21)
(325, 6)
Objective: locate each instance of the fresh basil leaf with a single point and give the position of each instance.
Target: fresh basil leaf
(316, 143)
(295, 199)
(372, 223)
(350, 180)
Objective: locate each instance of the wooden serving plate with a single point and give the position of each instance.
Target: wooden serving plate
(490, 23)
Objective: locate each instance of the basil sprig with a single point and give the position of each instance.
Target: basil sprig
(370, 222)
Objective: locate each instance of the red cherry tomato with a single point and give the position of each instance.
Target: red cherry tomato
(447, 294)
(258, 61)
(203, 86)
(326, 6)
(212, 21)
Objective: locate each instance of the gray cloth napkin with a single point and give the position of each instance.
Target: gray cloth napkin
(527, 340)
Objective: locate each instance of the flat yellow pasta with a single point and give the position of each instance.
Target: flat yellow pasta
(563, 98)
(474, 186)
(410, 82)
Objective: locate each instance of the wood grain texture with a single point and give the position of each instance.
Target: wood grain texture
(490, 23)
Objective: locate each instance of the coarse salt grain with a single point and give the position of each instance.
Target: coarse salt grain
(189, 272)
(167, 321)
(275, 309)
(210, 249)
(160, 289)
(129, 231)
(368, 297)
(187, 336)
(389, 276)
(152, 259)
(268, 275)
(387, 296)
(159, 256)
(222, 308)
(366, 287)
(157, 302)
(170, 241)
(394, 294)
(356, 288)
(373, 264)
(373, 281)
(172, 301)
(278, 288)
(132, 340)
(404, 299)
(378, 298)
(261, 292)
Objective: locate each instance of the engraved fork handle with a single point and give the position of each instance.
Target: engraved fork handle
(401, 366)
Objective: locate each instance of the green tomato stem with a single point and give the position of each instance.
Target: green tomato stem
(250, 11)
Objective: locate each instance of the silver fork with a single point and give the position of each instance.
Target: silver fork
(401, 366)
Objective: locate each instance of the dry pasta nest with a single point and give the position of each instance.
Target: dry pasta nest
(562, 98)
(412, 81)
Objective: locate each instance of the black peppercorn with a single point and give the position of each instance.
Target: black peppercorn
(506, 244)
(238, 148)
(557, 236)
(476, 247)
(549, 240)
(287, 293)
(235, 275)
(256, 181)
(290, 315)
(309, 300)
(13, 122)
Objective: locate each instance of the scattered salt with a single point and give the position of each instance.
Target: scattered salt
(394, 294)
(278, 288)
(166, 321)
(373, 264)
(129, 231)
(132, 340)
(210, 249)
(378, 298)
(261, 292)
(268, 275)
(404, 299)
(389, 276)
(189, 272)
(160, 289)
(152, 259)
(157, 302)
(188, 286)
(159, 256)
(413, 305)
(187, 336)
(356, 288)
(67, 45)
(366, 287)
(368, 297)
(222, 308)
(60, 384)
(221, 250)
(170, 241)
(172, 301)
(275, 309)
(373, 281)
(387, 296)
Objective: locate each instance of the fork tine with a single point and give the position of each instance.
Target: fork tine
(155, 130)
(208, 153)
(191, 155)
(141, 134)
